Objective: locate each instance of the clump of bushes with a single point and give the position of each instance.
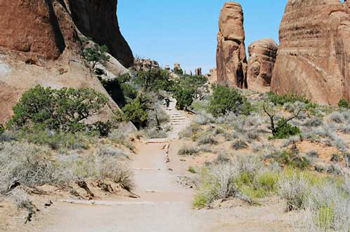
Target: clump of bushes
(31, 165)
(343, 103)
(225, 100)
(188, 150)
(154, 80)
(136, 112)
(286, 98)
(63, 110)
(285, 130)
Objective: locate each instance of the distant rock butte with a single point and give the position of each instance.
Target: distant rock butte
(314, 53)
(231, 57)
(262, 57)
(145, 64)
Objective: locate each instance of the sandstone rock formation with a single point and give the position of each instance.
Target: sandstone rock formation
(198, 72)
(231, 57)
(262, 57)
(145, 64)
(40, 44)
(314, 54)
(45, 28)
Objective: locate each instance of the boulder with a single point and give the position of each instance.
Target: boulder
(262, 57)
(313, 59)
(231, 57)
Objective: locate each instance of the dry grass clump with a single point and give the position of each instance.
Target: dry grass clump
(188, 150)
(207, 140)
(30, 165)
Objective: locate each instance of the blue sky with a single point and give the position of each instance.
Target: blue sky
(185, 31)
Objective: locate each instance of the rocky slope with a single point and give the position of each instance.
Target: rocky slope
(314, 54)
(262, 57)
(231, 57)
(39, 44)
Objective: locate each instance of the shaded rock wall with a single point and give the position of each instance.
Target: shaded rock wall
(231, 57)
(314, 53)
(262, 57)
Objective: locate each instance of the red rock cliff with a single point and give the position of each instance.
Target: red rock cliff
(314, 53)
(45, 28)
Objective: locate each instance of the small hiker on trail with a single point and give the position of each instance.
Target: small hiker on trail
(167, 102)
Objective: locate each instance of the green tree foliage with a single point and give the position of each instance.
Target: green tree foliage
(178, 71)
(154, 80)
(344, 104)
(285, 130)
(184, 98)
(64, 109)
(225, 100)
(186, 89)
(136, 112)
(96, 54)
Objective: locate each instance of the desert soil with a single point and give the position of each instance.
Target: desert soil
(163, 205)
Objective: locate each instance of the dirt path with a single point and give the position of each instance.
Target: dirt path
(163, 206)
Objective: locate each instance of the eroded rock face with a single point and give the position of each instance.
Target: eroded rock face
(45, 28)
(146, 64)
(314, 54)
(39, 44)
(262, 57)
(231, 57)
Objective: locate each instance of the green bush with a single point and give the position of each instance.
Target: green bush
(184, 98)
(226, 100)
(62, 110)
(178, 71)
(344, 104)
(286, 98)
(96, 54)
(136, 112)
(289, 159)
(285, 131)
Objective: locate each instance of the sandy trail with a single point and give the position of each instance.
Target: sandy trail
(163, 206)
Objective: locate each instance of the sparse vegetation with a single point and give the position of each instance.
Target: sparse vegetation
(343, 103)
(226, 100)
(96, 54)
(60, 110)
(188, 150)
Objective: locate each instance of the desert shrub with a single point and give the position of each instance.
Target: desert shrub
(239, 145)
(188, 150)
(285, 130)
(64, 109)
(337, 117)
(190, 131)
(28, 165)
(290, 159)
(207, 140)
(343, 103)
(136, 112)
(244, 177)
(96, 54)
(203, 119)
(154, 133)
(225, 100)
(110, 151)
(286, 98)
(57, 140)
(184, 98)
(2, 129)
(295, 189)
(192, 170)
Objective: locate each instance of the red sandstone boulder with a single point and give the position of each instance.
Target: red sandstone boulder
(262, 57)
(231, 57)
(314, 53)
